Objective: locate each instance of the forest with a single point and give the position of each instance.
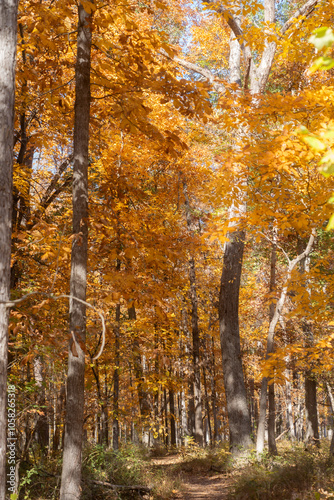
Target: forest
(166, 249)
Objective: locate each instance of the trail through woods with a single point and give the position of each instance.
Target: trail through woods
(198, 484)
(205, 485)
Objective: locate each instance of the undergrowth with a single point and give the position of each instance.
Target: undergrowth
(101, 467)
(296, 474)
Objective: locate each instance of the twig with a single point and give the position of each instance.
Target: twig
(146, 489)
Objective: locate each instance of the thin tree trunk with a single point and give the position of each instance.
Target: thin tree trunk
(288, 396)
(41, 425)
(196, 403)
(271, 392)
(207, 405)
(214, 394)
(198, 423)
(311, 409)
(172, 418)
(102, 418)
(115, 425)
(165, 412)
(270, 341)
(8, 30)
(252, 402)
(71, 472)
(289, 414)
(58, 410)
(143, 395)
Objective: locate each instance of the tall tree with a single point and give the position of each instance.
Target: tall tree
(71, 471)
(235, 390)
(256, 76)
(8, 33)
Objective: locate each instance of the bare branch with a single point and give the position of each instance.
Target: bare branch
(278, 246)
(13, 303)
(305, 10)
(206, 73)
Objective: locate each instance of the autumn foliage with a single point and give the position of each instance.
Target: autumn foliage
(173, 145)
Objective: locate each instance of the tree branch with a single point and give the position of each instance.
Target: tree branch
(206, 73)
(54, 182)
(13, 303)
(305, 10)
(140, 488)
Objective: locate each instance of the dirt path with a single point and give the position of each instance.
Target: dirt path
(198, 485)
(204, 487)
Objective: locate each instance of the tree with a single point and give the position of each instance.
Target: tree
(256, 76)
(8, 30)
(71, 471)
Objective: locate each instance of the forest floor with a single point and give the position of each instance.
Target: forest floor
(191, 474)
(197, 485)
(296, 473)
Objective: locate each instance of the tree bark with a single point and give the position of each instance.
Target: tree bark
(235, 390)
(8, 33)
(71, 472)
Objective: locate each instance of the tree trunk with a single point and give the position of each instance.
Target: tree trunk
(165, 413)
(288, 397)
(235, 389)
(8, 30)
(272, 421)
(270, 340)
(207, 406)
(289, 414)
(143, 395)
(311, 409)
(172, 418)
(195, 404)
(58, 411)
(331, 400)
(115, 424)
(41, 425)
(71, 472)
(271, 392)
(198, 423)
